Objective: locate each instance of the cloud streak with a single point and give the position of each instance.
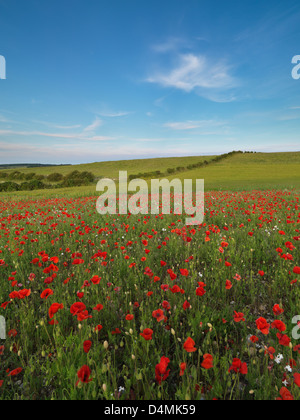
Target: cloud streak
(79, 136)
(113, 114)
(192, 125)
(195, 72)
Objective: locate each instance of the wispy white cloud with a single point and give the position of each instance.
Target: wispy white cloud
(92, 127)
(89, 133)
(171, 44)
(192, 125)
(114, 114)
(4, 119)
(57, 126)
(75, 136)
(194, 72)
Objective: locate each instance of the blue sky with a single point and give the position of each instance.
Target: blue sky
(102, 80)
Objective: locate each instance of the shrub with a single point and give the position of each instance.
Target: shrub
(72, 183)
(32, 185)
(9, 186)
(55, 177)
(16, 175)
(170, 170)
(29, 177)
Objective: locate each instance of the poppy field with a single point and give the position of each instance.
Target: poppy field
(146, 308)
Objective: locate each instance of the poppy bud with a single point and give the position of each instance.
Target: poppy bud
(105, 345)
(104, 387)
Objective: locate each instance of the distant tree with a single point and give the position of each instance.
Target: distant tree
(55, 177)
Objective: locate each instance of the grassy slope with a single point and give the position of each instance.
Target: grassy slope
(111, 169)
(251, 171)
(240, 172)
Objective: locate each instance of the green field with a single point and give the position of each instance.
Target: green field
(239, 172)
(251, 171)
(124, 307)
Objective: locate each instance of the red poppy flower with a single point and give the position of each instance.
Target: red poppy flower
(77, 308)
(186, 305)
(158, 315)
(279, 325)
(98, 307)
(207, 362)
(87, 346)
(15, 372)
(147, 334)
(277, 310)
(297, 379)
(200, 291)
(46, 293)
(296, 270)
(98, 328)
(54, 308)
(285, 395)
(189, 345)
(239, 367)
(84, 375)
(182, 369)
(270, 351)
(228, 285)
(161, 372)
(263, 326)
(284, 340)
(239, 317)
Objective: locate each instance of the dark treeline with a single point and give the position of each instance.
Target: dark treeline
(171, 171)
(32, 181)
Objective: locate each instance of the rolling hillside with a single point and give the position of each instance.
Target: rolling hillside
(238, 172)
